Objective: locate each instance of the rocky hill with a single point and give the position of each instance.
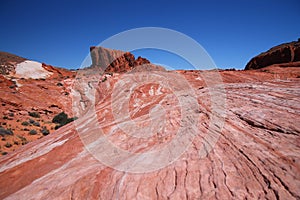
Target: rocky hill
(31, 94)
(284, 54)
(8, 61)
(168, 135)
(119, 62)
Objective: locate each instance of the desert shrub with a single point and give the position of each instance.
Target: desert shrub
(57, 126)
(5, 117)
(8, 145)
(23, 139)
(16, 142)
(32, 132)
(71, 119)
(45, 131)
(34, 114)
(60, 118)
(59, 84)
(3, 153)
(11, 114)
(4, 131)
(25, 123)
(31, 121)
(36, 124)
(105, 78)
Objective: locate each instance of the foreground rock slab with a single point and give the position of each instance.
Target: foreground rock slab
(256, 154)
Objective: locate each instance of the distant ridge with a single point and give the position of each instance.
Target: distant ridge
(280, 54)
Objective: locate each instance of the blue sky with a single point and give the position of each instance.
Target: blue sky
(60, 32)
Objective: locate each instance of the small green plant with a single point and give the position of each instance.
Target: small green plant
(34, 114)
(62, 119)
(8, 145)
(45, 131)
(71, 119)
(25, 123)
(32, 132)
(57, 126)
(36, 124)
(23, 139)
(4, 131)
(103, 80)
(31, 121)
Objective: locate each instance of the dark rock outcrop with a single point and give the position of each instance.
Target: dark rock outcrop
(284, 53)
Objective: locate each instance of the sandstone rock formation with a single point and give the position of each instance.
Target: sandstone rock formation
(256, 155)
(168, 135)
(118, 61)
(31, 95)
(284, 53)
(8, 62)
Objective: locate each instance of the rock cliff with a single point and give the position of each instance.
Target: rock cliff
(284, 53)
(118, 61)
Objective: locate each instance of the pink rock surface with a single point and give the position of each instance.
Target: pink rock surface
(256, 155)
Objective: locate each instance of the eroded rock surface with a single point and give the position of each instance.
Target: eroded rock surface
(256, 155)
(31, 95)
(284, 53)
(109, 60)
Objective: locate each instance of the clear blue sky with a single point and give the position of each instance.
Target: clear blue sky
(60, 32)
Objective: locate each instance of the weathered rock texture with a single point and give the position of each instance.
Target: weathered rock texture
(118, 61)
(30, 104)
(284, 53)
(8, 62)
(256, 156)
